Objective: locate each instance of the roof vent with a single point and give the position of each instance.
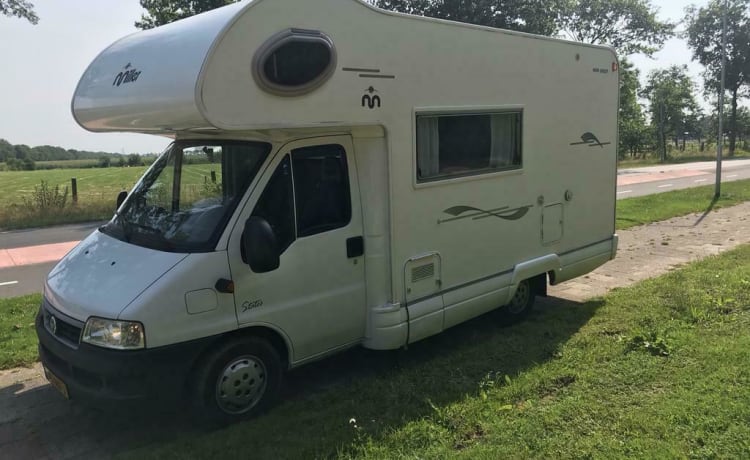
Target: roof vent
(294, 62)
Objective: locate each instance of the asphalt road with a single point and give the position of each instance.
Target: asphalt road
(657, 179)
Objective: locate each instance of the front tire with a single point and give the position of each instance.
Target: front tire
(239, 379)
(520, 305)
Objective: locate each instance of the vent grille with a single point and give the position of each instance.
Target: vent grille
(422, 272)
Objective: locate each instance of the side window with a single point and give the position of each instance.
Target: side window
(276, 204)
(454, 145)
(321, 189)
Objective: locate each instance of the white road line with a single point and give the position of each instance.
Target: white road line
(732, 175)
(665, 185)
(624, 191)
(701, 180)
(8, 283)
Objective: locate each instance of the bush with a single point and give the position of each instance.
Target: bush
(45, 197)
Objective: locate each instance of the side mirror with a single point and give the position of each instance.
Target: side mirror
(121, 198)
(260, 246)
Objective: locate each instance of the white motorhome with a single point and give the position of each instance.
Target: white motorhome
(340, 176)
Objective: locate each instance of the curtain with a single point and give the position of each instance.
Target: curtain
(428, 147)
(503, 142)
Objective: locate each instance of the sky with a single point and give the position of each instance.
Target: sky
(42, 64)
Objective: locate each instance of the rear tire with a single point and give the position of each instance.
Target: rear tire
(520, 305)
(241, 378)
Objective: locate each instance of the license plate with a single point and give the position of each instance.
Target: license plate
(57, 383)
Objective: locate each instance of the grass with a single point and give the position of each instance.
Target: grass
(17, 337)
(658, 370)
(653, 208)
(97, 192)
(94, 184)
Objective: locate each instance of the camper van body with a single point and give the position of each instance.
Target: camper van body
(408, 239)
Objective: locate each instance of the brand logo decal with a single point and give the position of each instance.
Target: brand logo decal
(465, 212)
(52, 325)
(249, 305)
(127, 75)
(371, 100)
(591, 140)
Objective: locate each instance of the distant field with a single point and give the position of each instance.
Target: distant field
(67, 164)
(93, 184)
(97, 193)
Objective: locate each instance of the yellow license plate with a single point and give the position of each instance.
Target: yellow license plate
(57, 383)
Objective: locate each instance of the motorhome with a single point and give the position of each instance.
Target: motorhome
(340, 176)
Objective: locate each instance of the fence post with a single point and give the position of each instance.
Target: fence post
(74, 187)
(213, 176)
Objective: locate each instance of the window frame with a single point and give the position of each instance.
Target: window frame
(270, 46)
(479, 174)
(350, 210)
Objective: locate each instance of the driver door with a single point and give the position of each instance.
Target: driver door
(316, 297)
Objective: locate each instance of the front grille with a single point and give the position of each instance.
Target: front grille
(66, 329)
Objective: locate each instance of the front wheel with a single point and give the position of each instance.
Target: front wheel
(520, 305)
(239, 379)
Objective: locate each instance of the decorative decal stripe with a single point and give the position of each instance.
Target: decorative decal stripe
(591, 140)
(476, 213)
(364, 75)
(357, 69)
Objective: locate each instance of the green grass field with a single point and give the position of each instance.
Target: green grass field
(94, 184)
(97, 192)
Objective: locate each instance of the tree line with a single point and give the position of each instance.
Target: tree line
(23, 157)
(671, 112)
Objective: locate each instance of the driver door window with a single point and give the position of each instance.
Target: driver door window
(276, 205)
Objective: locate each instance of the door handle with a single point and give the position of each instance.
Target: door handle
(355, 247)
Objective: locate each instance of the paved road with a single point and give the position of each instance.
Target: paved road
(656, 179)
(26, 256)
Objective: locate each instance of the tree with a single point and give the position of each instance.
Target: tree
(160, 12)
(629, 26)
(672, 104)
(704, 29)
(522, 15)
(19, 8)
(630, 121)
(134, 160)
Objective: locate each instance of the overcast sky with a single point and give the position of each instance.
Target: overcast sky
(42, 65)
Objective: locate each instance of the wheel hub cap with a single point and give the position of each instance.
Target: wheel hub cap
(241, 385)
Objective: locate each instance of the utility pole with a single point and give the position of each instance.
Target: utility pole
(717, 192)
(662, 137)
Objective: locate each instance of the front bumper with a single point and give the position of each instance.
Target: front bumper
(96, 374)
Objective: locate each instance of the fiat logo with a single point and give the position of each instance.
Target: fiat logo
(52, 325)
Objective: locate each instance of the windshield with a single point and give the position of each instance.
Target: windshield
(185, 199)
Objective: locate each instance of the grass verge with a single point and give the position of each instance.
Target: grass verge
(653, 208)
(658, 370)
(17, 337)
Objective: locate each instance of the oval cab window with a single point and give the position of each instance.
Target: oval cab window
(294, 62)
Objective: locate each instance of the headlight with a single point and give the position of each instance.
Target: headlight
(109, 333)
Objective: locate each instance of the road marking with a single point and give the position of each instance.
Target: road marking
(701, 180)
(665, 185)
(624, 191)
(8, 283)
(732, 175)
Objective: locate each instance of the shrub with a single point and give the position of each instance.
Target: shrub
(45, 197)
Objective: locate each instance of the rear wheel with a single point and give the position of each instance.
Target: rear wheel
(520, 305)
(239, 379)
